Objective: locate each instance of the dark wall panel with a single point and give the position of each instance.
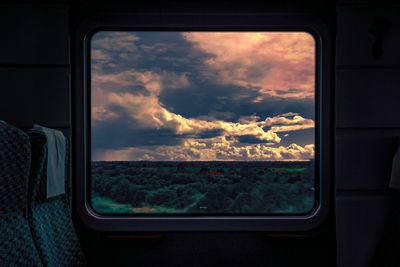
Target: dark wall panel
(360, 221)
(368, 98)
(35, 96)
(340, 2)
(354, 40)
(364, 162)
(33, 34)
(367, 107)
(214, 249)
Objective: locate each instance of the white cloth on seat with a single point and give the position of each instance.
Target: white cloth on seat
(395, 177)
(56, 151)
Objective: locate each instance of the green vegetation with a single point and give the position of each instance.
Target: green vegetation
(288, 170)
(203, 187)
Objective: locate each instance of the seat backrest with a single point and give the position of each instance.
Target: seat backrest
(17, 247)
(51, 222)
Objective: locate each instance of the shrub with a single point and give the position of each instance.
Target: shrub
(182, 201)
(123, 191)
(161, 197)
(140, 197)
(240, 203)
(103, 185)
(215, 200)
(180, 179)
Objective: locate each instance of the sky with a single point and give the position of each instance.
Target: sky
(202, 96)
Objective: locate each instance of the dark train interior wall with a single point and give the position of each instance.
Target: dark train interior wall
(36, 75)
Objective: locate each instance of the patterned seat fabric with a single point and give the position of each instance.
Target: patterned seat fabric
(17, 247)
(50, 219)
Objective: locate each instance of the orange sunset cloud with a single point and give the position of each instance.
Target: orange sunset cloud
(280, 64)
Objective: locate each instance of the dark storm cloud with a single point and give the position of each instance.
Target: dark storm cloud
(288, 91)
(208, 134)
(143, 51)
(154, 98)
(249, 139)
(300, 137)
(115, 135)
(211, 98)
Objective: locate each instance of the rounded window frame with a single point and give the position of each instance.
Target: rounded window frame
(202, 22)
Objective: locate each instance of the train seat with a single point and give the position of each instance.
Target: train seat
(50, 218)
(16, 243)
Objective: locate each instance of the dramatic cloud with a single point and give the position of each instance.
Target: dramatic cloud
(284, 124)
(202, 96)
(113, 49)
(280, 64)
(99, 55)
(104, 87)
(148, 112)
(114, 41)
(213, 149)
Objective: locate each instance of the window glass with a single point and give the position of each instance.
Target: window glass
(202, 122)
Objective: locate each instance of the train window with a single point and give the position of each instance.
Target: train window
(202, 122)
(202, 128)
